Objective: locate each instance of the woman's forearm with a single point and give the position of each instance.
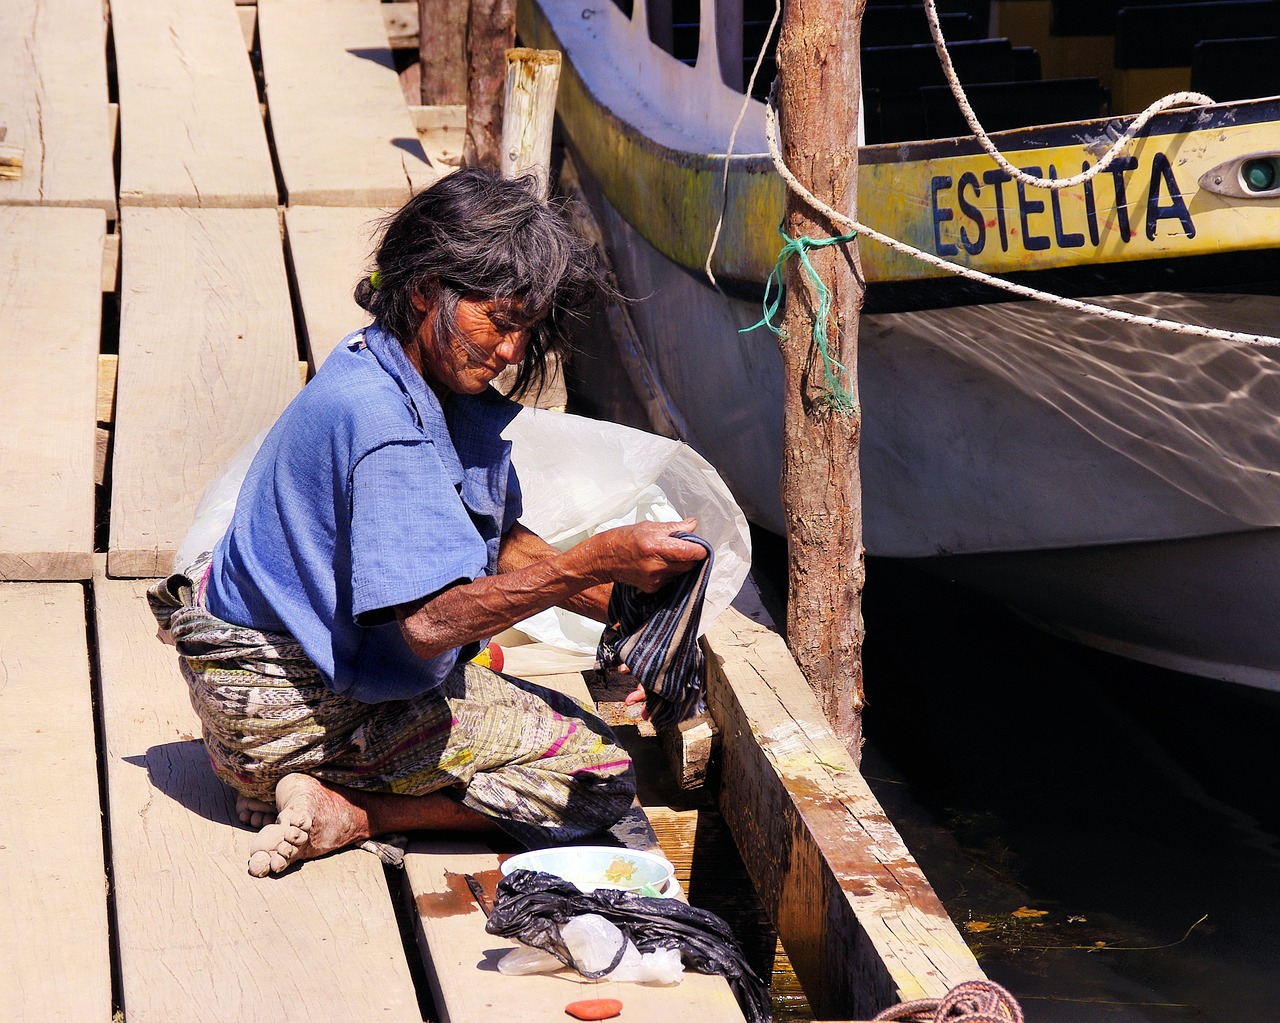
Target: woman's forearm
(533, 576)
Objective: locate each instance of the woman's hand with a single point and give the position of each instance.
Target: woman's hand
(646, 555)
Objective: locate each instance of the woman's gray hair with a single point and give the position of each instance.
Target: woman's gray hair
(476, 235)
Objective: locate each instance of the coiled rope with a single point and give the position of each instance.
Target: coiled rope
(852, 226)
(973, 1001)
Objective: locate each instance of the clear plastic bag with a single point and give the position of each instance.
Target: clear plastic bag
(580, 476)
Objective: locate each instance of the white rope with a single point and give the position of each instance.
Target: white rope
(771, 136)
(1176, 99)
(733, 135)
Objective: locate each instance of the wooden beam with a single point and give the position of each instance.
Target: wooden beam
(208, 358)
(342, 130)
(818, 56)
(491, 31)
(529, 114)
(192, 132)
(54, 944)
(401, 20)
(199, 939)
(53, 100)
(50, 331)
(859, 920)
(442, 51)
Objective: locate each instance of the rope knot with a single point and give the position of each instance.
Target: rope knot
(835, 394)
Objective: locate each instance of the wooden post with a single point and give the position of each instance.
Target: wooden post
(442, 52)
(529, 113)
(491, 32)
(818, 72)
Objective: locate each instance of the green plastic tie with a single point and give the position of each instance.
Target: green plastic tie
(837, 396)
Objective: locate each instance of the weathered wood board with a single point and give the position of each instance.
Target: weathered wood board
(50, 326)
(462, 957)
(342, 130)
(199, 938)
(52, 877)
(191, 130)
(859, 920)
(208, 359)
(330, 248)
(53, 101)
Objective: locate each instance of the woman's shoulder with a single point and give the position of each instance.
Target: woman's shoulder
(352, 396)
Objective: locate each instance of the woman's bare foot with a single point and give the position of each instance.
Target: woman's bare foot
(254, 812)
(314, 819)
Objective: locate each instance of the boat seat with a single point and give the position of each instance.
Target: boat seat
(1236, 68)
(1050, 101)
(904, 25)
(901, 70)
(1154, 44)
(1090, 17)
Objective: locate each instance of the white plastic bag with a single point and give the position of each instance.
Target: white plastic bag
(217, 505)
(580, 476)
(593, 942)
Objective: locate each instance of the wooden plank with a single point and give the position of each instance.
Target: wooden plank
(223, 945)
(461, 958)
(50, 327)
(53, 100)
(859, 920)
(330, 247)
(208, 358)
(52, 875)
(342, 130)
(191, 129)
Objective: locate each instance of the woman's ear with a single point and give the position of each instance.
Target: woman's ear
(420, 302)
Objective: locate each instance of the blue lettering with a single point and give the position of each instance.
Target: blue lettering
(941, 215)
(1026, 207)
(973, 246)
(1090, 207)
(1065, 241)
(1118, 166)
(997, 178)
(1177, 208)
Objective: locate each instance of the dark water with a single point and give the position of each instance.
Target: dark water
(1124, 801)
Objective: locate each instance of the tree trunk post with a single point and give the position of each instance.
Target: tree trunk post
(818, 77)
(529, 114)
(442, 52)
(491, 32)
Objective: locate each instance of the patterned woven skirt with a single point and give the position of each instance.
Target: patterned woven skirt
(536, 762)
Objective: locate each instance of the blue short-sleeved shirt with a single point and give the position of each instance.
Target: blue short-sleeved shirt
(367, 493)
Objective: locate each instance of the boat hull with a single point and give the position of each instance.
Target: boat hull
(1116, 485)
(1101, 477)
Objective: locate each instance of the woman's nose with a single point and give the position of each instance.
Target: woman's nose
(513, 346)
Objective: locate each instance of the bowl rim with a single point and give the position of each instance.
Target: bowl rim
(647, 855)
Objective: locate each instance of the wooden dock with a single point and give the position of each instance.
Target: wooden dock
(150, 326)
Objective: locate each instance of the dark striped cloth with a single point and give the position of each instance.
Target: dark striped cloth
(656, 636)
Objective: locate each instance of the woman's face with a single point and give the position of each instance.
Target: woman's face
(493, 338)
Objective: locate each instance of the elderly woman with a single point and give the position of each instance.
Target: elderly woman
(328, 638)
